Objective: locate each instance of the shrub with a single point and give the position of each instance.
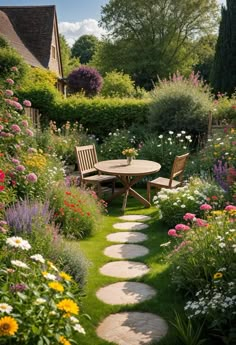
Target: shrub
(164, 148)
(77, 211)
(115, 143)
(225, 109)
(117, 84)
(180, 104)
(173, 203)
(100, 116)
(36, 297)
(85, 79)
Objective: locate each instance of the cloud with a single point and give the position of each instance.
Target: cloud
(72, 31)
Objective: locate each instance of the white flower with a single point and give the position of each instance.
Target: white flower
(160, 136)
(5, 308)
(19, 263)
(171, 132)
(40, 301)
(182, 206)
(178, 135)
(183, 132)
(49, 276)
(79, 328)
(165, 244)
(218, 139)
(38, 257)
(221, 245)
(18, 242)
(188, 137)
(73, 319)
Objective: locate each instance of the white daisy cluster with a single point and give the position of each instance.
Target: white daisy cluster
(18, 242)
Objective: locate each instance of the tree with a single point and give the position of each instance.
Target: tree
(155, 34)
(223, 75)
(84, 48)
(68, 63)
(85, 79)
(117, 84)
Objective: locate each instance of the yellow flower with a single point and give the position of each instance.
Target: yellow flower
(65, 276)
(217, 275)
(64, 341)
(68, 306)
(56, 286)
(8, 326)
(52, 265)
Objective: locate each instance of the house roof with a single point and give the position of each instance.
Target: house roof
(33, 24)
(8, 32)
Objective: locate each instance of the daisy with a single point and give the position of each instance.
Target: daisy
(18, 242)
(19, 263)
(38, 257)
(5, 308)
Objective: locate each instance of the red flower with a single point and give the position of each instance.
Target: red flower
(2, 176)
(68, 193)
(214, 197)
(2, 188)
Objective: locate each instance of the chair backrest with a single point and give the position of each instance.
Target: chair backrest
(86, 158)
(178, 167)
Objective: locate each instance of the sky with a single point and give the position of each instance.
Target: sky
(75, 17)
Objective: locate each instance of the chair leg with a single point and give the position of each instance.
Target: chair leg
(149, 191)
(99, 190)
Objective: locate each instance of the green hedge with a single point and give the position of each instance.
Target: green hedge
(100, 115)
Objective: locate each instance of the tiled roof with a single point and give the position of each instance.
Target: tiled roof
(8, 32)
(34, 26)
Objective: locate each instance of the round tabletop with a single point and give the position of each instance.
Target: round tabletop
(119, 167)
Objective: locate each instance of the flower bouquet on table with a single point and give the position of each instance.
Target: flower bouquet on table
(130, 153)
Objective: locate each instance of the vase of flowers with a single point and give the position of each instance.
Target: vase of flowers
(130, 154)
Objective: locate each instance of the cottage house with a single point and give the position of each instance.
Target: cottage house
(33, 32)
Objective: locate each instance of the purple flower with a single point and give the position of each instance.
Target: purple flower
(9, 93)
(20, 168)
(27, 103)
(32, 177)
(29, 132)
(15, 128)
(18, 287)
(10, 81)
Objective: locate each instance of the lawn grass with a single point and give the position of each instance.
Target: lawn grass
(166, 300)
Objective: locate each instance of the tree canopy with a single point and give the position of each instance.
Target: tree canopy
(68, 63)
(153, 37)
(84, 48)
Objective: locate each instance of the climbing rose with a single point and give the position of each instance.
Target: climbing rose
(10, 81)
(9, 93)
(189, 216)
(29, 132)
(205, 207)
(230, 208)
(15, 128)
(182, 227)
(27, 103)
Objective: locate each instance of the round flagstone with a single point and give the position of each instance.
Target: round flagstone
(124, 269)
(125, 251)
(125, 293)
(130, 226)
(127, 237)
(132, 328)
(135, 217)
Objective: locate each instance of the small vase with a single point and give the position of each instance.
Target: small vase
(129, 160)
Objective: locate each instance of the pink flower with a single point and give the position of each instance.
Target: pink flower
(189, 216)
(14, 69)
(9, 93)
(32, 177)
(230, 208)
(29, 132)
(24, 123)
(17, 105)
(205, 207)
(10, 81)
(15, 161)
(1, 127)
(201, 222)
(27, 103)
(182, 227)
(20, 168)
(15, 128)
(172, 232)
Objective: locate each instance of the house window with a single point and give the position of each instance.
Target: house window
(53, 52)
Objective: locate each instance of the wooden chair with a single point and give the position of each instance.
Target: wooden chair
(162, 182)
(86, 158)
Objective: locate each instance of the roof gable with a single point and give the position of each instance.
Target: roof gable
(34, 26)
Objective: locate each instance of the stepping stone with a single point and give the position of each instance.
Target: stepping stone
(125, 251)
(127, 237)
(135, 217)
(130, 226)
(124, 269)
(125, 293)
(132, 328)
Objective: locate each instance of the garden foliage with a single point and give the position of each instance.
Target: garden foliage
(117, 84)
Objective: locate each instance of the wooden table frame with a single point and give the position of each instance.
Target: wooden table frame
(129, 175)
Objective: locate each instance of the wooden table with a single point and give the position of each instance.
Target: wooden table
(128, 175)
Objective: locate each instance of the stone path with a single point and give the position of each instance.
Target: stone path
(127, 237)
(128, 328)
(130, 226)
